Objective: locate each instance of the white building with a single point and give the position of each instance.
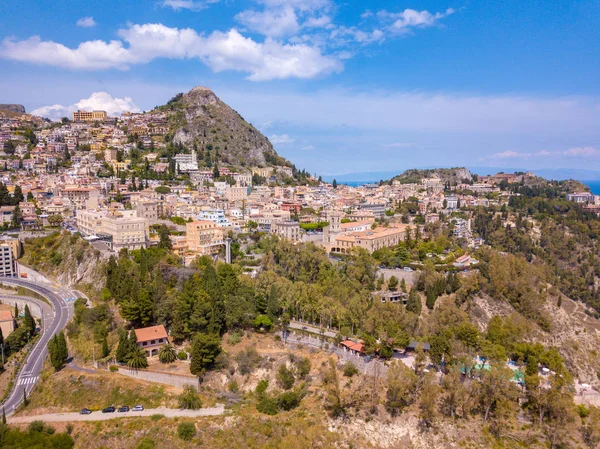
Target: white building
(186, 163)
(8, 263)
(215, 215)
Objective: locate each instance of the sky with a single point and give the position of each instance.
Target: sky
(337, 86)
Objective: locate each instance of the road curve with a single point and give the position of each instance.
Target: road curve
(28, 374)
(219, 409)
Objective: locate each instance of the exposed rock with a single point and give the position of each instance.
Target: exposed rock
(200, 118)
(17, 108)
(453, 175)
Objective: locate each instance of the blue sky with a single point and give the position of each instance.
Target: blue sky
(338, 86)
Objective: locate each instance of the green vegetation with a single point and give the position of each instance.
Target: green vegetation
(37, 436)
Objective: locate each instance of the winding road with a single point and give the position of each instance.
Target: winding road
(61, 300)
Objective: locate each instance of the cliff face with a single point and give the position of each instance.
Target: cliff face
(202, 120)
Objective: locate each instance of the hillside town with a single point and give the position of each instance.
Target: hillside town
(118, 182)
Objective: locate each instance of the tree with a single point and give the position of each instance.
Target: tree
(205, 348)
(55, 220)
(3, 416)
(401, 383)
(165, 239)
(263, 322)
(335, 184)
(28, 320)
(285, 377)
(17, 217)
(393, 284)
(413, 304)
(403, 285)
(189, 398)
(137, 359)
(167, 353)
(105, 350)
(430, 390)
(122, 354)
(186, 430)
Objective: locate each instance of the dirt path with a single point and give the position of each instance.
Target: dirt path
(99, 416)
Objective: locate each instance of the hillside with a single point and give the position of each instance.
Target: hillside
(11, 110)
(66, 258)
(452, 175)
(201, 120)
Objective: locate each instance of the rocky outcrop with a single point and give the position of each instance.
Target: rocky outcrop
(203, 121)
(453, 175)
(17, 108)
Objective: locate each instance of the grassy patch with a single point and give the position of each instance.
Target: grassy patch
(71, 390)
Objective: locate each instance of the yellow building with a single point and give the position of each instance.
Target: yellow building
(203, 237)
(371, 239)
(89, 116)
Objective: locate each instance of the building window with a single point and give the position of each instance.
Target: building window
(145, 343)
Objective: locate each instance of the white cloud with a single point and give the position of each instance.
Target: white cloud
(219, 50)
(86, 22)
(410, 18)
(270, 22)
(302, 5)
(577, 152)
(192, 5)
(308, 148)
(281, 138)
(98, 101)
(582, 152)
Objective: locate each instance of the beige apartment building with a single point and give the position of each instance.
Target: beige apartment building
(203, 237)
(120, 229)
(371, 240)
(236, 193)
(289, 230)
(89, 116)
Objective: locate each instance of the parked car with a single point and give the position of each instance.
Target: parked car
(408, 269)
(138, 408)
(123, 409)
(85, 411)
(110, 409)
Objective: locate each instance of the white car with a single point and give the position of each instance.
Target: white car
(137, 408)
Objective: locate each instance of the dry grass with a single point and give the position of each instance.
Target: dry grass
(71, 390)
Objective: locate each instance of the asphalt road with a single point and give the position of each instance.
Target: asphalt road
(61, 301)
(309, 328)
(99, 416)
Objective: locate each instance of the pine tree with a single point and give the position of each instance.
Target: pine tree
(413, 303)
(205, 349)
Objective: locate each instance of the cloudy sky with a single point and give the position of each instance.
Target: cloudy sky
(338, 86)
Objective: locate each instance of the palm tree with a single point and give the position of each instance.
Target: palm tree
(137, 359)
(167, 353)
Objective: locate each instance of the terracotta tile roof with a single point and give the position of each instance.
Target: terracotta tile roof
(358, 347)
(151, 333)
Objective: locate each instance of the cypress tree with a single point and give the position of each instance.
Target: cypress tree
(28, 321)
(131, 344)
(3, 416)
(25, 400)
(105, 350)
(122, 348)
(16, 311)
(62, 349)
(414, 302)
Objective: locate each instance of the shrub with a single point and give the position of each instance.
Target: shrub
(113, 368)
(303, 367)
(189, 399)
(285, 377)
(267, 405)
(262, 386)
(235, 338)
(157, 417)
(350, 369)
(186, 431)
(233, 386)
(146, 443)
(289, 400)
(182, 355)
(247, 360)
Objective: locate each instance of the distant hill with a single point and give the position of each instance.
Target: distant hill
(200, 119)
(453, 175)
(12, 110)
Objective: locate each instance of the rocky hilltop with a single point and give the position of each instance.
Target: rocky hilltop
(12, 110)
(201, 120)
(452, 175)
